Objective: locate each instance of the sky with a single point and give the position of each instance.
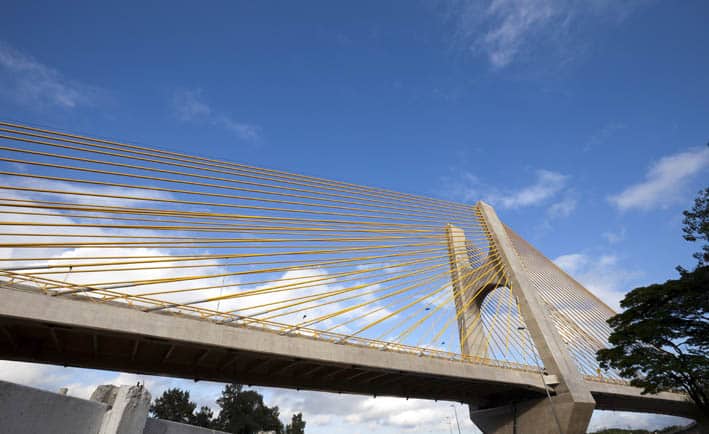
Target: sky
(584, 123)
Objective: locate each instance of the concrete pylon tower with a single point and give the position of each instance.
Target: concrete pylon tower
(470, 285)
(571, 406)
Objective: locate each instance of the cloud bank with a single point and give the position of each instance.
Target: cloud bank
(664, 182)
(189, 106)
(507, 31)
(32, 83)
(548, 188)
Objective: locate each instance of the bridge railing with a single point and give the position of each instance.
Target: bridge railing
(608, 380)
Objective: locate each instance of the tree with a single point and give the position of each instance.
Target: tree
(296, 425)
(661, 339)
(174, 405)
(204, 418)
(696, 225)
(243, 412)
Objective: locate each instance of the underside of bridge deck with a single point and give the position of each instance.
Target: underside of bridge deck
(626, 398)
(71, 346)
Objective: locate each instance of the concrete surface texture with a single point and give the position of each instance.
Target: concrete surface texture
(27, 410)
(128, 408)
(468, 290)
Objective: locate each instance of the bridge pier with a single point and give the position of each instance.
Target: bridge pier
(536, 416)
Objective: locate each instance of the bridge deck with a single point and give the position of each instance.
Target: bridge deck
(620, 397)
(35, 327)
(73, 331)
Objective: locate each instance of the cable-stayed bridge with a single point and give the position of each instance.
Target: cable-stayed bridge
(125, 257)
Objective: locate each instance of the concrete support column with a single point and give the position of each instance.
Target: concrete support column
(534, 417)
(128, 411)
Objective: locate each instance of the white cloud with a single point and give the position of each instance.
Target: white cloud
(615, 237)
(189, 106)
(325, 412)
(571, 262)
(245, 131)
(603, 135)
(602, 275)
(464, 187)
(547, 185)
(604, 419)
(31, 374)
(664, 181)
(86, 194)
(32, 83)
(505, 31)
(564, 208)
(515, 22)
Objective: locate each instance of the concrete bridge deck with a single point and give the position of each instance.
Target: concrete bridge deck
(35, 327)
(619, 397)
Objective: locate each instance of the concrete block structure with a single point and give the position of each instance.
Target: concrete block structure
(128, 408)
(27, 410)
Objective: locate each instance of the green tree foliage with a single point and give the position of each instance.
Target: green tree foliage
(296, 425)
(243, 412)
(696, 225)
(174, 405)
(661, 339)
(204, 418)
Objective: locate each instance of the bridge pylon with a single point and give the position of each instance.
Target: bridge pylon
(469, 289)
(569, 407)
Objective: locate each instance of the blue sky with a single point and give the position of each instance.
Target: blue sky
(584, 123)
